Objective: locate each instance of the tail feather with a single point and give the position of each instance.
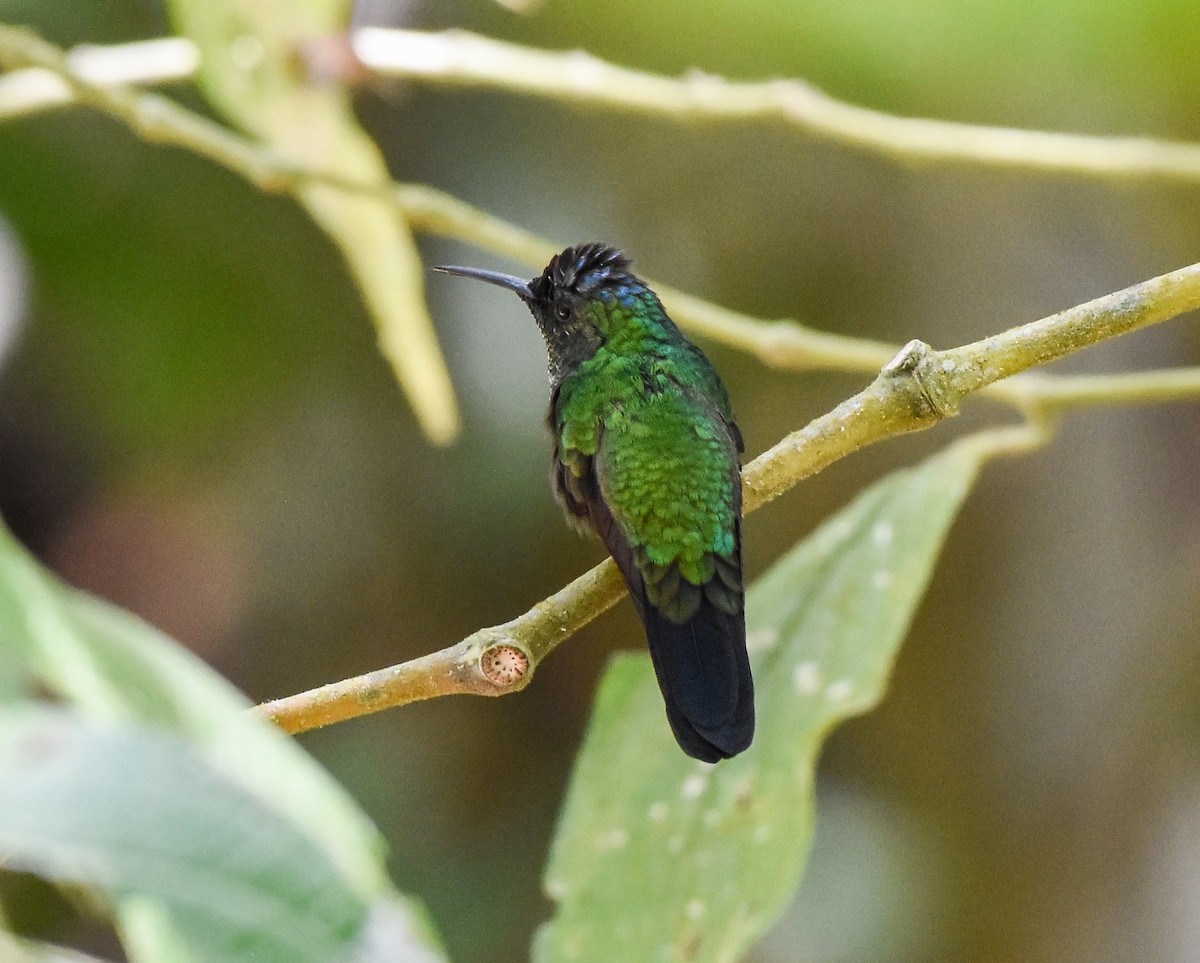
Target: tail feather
(704, 674)
(701, 662)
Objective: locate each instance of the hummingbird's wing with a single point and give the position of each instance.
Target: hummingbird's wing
(663, 492)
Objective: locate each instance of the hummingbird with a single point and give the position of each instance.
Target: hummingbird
(647, 455)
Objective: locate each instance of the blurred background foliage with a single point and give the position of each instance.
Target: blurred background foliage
(195, 423)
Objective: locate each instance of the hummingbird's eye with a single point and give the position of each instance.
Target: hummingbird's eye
(562, 312)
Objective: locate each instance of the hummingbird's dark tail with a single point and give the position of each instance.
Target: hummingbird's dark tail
(700, 661)
(704, 674)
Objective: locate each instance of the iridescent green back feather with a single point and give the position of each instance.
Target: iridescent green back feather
(651, 411)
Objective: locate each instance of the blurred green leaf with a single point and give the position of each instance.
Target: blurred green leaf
(661, 857)
(13, 680)
(131, 810)
(117, 668)
(258, 64)
(148, 934)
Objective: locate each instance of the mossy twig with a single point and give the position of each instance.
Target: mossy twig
(916, 390)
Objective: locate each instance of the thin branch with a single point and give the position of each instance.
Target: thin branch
(780, 344)
(458, 58)
(784, 344)
(916, 390)
(461, 59)
(160, 120)
(1058, 393)
(33, 89)
(86, 75)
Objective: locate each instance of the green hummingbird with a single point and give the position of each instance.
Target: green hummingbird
(646, 453)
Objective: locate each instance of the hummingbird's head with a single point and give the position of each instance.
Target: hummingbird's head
(584, 298)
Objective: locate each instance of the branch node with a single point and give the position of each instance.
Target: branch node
(504, 665)
(931, 374)
(908, 359)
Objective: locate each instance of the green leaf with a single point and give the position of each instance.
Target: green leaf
(659, 857)
(117, 668)
(131, 810)
(148, 934)
(254, 69)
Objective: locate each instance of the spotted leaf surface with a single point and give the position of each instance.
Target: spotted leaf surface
(661, 858)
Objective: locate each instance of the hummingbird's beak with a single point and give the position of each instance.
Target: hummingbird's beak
(519, 285)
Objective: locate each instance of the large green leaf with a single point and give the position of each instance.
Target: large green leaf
(116, 668)
(131, 810)
(253, 69)
(659, 857)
